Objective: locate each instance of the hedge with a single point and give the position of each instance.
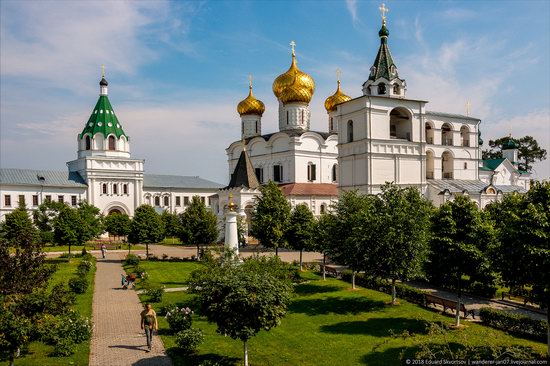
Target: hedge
(402, 291)
(514, 323)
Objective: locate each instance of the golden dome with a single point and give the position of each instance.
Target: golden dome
(251, 105)
(335, 99)
(303, 80)
(296, 93)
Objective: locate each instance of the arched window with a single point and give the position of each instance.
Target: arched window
(256, 126)
(125, 188)
(381, 89)
(400, 124)
(115, 188)
(350, 131)
(446, 135)
(396, 89)
(104, 188)
(465, 135)
(166, 201)
(157, 201)
(323, 208)
(335, 172)
(112, 143)
(302, 115)
(331, 125)
(88, 142)
(447, 165)
(311, 172)
(429, 133)
(287, 117)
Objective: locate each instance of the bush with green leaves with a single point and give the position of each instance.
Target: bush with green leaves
(15, 332)
(78, 285)
(131, 260)
(63, 348)
(179, 318)
(85, 265)
(54, 330)
(514, 323)
(189, 340)
(155, 293)
(60, 300)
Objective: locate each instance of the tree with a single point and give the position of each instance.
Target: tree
(146, 227)
(398, 248)
(117, 224)
(353, 212)
(242, 299)
(462, 238)
(15, 332)
(44, 217)
(66, 227)
(299, 233)
(18, 227)
(198, 225)
(270, 217)
(323, 236)
(529, 151)
(92, 221)
(172, 224)
(522, 255)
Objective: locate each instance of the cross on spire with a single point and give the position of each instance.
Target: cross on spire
(338, 74)
(103, 71)
(293, 46)
(250, 80)
(383, 10)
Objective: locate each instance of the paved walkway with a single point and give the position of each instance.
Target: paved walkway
(117, 338)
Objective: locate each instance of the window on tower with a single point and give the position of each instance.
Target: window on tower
(166, 201)
(277, 173)
(104, 188)
(125, 188)
(256, 126)
(112, 143)
(88, 142)
(335, 172)
(381, 89)
(157, 201)
(115, 188)
(350, 131)
(331, 125)
(396, 89)
(259, 174)
(287, 117)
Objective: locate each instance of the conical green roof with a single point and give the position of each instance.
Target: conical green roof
(103, 120)
(383, 62)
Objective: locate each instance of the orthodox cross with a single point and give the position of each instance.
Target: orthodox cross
(293, 45)
(250, 80)
(338, 74)
(383, 10)
(103, 71)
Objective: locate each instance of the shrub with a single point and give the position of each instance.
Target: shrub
(155, 293)
(189, 340)
(34, 304)
(78, 285)
(60, 299)
(402, 291)
(71, 325)
(85, 265)
(514, 323)
(131, 260)
(179, 319)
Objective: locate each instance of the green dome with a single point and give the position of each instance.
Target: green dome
(103, 120)
(383, 32)
(510, 145)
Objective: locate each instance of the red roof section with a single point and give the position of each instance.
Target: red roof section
(309, 189)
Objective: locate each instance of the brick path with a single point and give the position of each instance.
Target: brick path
(117, 338)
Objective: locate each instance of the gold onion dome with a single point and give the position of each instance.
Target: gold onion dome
(303, 81)
(337, 98)
(296, 93)
(251, 105)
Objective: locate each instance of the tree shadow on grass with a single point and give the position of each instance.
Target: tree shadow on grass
(390, 356)
(153, 361)
(311, 288)
(335, 305)
(378, 327)
(194, 360)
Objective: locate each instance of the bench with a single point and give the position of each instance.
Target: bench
(331, 271)
(448, 304)
(526, 299)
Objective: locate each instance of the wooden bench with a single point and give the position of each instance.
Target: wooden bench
(331, 271)
(526, 299)
(448, 304)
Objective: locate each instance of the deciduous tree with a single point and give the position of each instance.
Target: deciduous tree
(172, 224)
(117, 224)
(270, 217)
(146, 227)
(300, 231)
(529, 151)
(198, 225)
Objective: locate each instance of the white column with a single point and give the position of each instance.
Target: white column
(231, 233)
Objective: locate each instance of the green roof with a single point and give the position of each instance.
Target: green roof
(510, 144)
(103, 120)
(493, 163)
(383, 61)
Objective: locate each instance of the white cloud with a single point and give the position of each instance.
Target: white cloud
(351, 5)
(457, 14)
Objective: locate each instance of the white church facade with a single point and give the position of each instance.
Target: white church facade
(104, 174)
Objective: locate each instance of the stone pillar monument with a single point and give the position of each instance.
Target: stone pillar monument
(231, 230)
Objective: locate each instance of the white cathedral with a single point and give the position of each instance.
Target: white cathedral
(380, 136)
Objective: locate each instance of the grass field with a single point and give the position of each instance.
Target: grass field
(37, 352)
(169, 274)
(327, 324)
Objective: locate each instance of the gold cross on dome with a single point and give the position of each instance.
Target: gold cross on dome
(250, 80)
(383, 10)
(293, 46)
(338, 74)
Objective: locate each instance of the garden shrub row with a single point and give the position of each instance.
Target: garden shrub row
(514, 323)
(79, 283)
(402, 291)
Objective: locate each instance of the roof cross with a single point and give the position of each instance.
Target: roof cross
(250, 80)
(103, 71)
(383, 10)
(293, 46)
(338, 74)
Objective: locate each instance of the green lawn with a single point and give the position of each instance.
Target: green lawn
(169, 274)
(37, 352)
(327, 324)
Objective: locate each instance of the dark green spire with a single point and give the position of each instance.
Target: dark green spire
(383, 66)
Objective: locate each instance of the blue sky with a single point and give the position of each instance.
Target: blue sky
(177, 70)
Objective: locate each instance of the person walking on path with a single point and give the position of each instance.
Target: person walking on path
(103, 250)
(149, 324)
